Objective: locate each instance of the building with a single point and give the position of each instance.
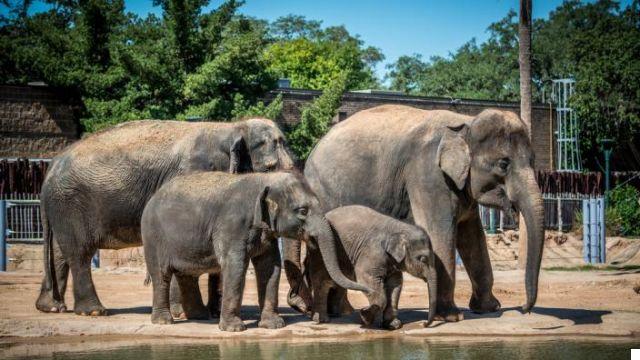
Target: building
(37, 121)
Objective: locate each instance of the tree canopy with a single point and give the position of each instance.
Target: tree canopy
(188, 63)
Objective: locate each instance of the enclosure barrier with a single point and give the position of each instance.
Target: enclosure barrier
(20, 223)
(593, 235)
(560, 212)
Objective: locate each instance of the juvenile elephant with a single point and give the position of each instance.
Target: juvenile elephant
(212, 222)
(95, 191)
(374, 249)
(433, 168)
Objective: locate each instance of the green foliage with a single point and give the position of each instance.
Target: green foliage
(597, 43)
(316, 118)
(215, 65)
(624, 209)
(312, 57)
(243, 109)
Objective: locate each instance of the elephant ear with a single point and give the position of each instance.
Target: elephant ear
(265, 210)
(239, 159)
(453, 155)
(396, 247)
(260, 211)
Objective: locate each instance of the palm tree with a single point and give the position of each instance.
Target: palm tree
(524, 57)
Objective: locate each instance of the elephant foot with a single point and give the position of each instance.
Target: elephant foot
(47, 304)
(177, 311)
(449, 314)
(393, 324)
(489, 304)
(85, 309)
(271, 322)
(197, 313)
(298, 303)
(368, 314)
(161, 317)
(233, 324)
(320, 318)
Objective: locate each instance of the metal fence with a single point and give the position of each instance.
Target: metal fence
(560, 213)
(22, 220)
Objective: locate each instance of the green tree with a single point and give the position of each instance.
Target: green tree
(312, 57)
(316, 117)
(238, 66)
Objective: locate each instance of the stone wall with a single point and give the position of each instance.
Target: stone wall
(36, 121)
(542, 123)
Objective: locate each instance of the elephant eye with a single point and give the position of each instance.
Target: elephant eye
(504, 163)
(302, 211)
(423, 259)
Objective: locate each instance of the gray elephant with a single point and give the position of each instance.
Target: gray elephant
(95, 191)
(212, 222)
(374, 249)
(433, 168)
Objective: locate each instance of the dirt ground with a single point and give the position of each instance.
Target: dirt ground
(570, 303)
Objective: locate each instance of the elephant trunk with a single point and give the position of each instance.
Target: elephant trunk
(528, 200)
(285, 161)
(432, 283)
(299, 296)
(320, 230)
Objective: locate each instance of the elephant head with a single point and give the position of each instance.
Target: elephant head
(491, 159)
(262, 145)
(411, 249)
(289, 208)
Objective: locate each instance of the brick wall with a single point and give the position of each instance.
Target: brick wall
(36, 121)
(295, 99)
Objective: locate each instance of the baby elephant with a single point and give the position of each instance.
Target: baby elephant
(214, 222)
(375, 250)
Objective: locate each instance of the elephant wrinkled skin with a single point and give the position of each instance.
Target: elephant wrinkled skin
(214, 222)
(373, 249)
(433, 168)
(95, 191)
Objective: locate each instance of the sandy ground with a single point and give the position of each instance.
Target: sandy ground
(590, 303)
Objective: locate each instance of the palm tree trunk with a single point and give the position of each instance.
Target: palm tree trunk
(524, 57)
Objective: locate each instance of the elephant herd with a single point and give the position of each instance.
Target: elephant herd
(391, 189)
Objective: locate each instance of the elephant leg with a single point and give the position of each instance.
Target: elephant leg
(339, 303)
(321, 290)
(267, 267)
(192, 304)
(160, 313)
(51, 300)
(435, 214)
(175, 299)
(377, 299)
(472, 246)
(299, 297)
(215, 294)
(84, 293)
(234, 269)
(392, 287)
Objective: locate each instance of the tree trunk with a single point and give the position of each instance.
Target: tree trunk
(524, 57)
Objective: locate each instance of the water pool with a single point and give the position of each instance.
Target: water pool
(383, 348)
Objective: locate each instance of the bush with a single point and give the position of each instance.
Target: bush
(316, 117)
(624, 210)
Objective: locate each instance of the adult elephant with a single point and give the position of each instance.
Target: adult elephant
(433, 168)
(95, 191)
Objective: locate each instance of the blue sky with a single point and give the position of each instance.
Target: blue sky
(427, 27)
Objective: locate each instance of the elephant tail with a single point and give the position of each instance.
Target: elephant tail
(50, 299)
(147, 279)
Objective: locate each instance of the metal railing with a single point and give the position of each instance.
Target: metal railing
(559, 214)
(22, 221)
